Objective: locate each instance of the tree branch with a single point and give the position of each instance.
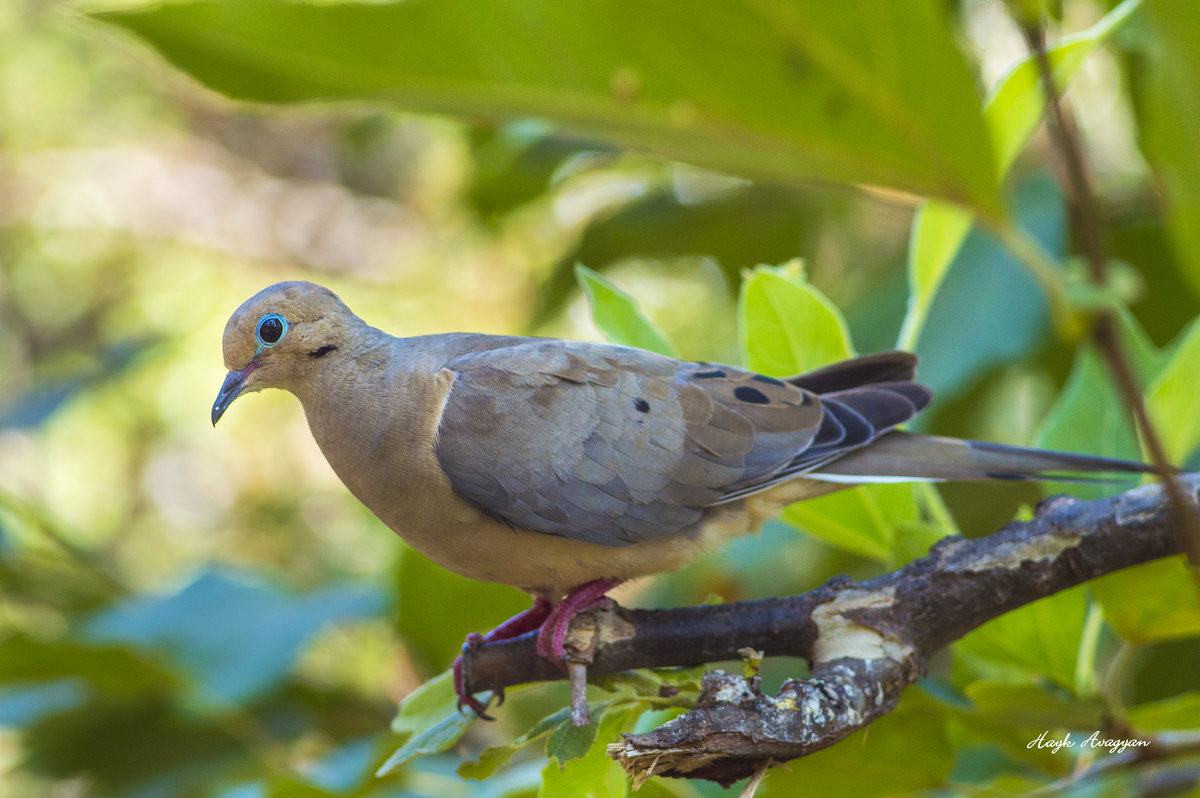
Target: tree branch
(866, 641)
(1089, 226)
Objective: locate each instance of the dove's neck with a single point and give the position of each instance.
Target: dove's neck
(374, 412)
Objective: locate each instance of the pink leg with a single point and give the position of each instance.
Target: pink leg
(554, 629)
(519, 624)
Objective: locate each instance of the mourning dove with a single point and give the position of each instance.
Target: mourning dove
(564, 468)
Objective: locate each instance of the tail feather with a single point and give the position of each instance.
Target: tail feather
(903, 455)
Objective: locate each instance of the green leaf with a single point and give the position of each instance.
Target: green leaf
(429, 703)
(618, 316)
(569, 741)
(1153, 601)
(593, 775)
(1170, 118)
(1012, 112)
(938, 232)
(857, 91)
(1089, 415)
(900, 754)
(1173, 401)
(861, 520)
(432, 716)
(431, 740)
(1042, 637)
(1177, 712)
(1031, 706)
(1015, 107)
(493, 757)
(787, 325)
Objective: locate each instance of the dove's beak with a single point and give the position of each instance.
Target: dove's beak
(235, 383)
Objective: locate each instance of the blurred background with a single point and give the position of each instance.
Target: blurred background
(185, 609)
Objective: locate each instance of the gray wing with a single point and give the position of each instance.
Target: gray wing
(613, 445)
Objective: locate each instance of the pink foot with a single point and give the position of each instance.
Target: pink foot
(517, 625)
(554, 629)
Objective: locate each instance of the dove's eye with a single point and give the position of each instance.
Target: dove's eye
(271, 328)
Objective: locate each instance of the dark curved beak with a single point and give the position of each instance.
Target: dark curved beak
(235, 381)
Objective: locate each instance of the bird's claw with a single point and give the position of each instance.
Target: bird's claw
(473, 642)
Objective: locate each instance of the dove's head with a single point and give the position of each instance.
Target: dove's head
(278, 337)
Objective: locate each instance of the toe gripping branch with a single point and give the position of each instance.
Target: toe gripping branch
(553, 624)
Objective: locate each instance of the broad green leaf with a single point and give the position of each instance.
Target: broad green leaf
(900, 754)
(569, 741)
(1089, 415)
(430, 713)
(431, 740)
(1042, 637)
(593, 775)
(429, 703)
(563, 745)
(1153, 601)
(1173, 401)
(617, 315)
(1028, 705)
(1178, 712)
(1170, 118)
(862, 520)
(1012, 112)
(938, 232)
(788, 326)
(1015, 106)
(857, 91)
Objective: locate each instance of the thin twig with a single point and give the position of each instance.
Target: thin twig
(1105, 336)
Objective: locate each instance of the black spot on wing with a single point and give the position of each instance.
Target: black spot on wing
(746, 393)
(768, 380)
(641, 405)
(712, 374)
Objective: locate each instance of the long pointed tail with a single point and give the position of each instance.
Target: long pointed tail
(904, 456)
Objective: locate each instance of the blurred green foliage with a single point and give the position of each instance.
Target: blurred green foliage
(198, 613)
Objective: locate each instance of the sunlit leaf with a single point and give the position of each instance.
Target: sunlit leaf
(1042, 637)
(569, 741)
(1170, 118)
(787, 325)
(1012, 112)
(805, 89)
(593, 775)
(862, 520)
(429, 703)
(1178, 712)
(431, 739)
(938, 232)
(900, 753)
(1031, 706)
(1089, 415)
(1016, 104)
(617, 315)
(1173, 401)
(1153, 601)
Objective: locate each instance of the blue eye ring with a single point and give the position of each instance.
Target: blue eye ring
(270, 330)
